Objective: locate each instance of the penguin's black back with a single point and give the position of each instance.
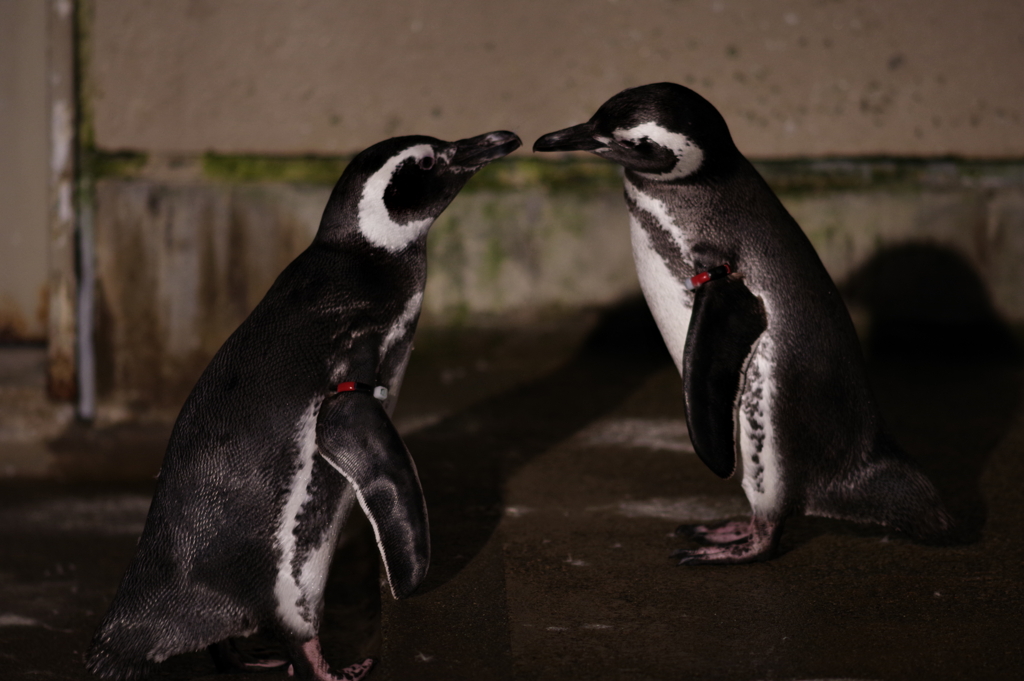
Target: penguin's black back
(849, 467)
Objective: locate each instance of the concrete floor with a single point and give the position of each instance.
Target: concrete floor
(556, 465)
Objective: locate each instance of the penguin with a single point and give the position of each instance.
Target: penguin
(289, 427)
(773, 375)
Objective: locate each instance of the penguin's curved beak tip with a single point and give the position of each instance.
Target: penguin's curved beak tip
(482, 149)
(577, 138)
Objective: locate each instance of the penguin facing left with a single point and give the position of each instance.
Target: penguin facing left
(773, 374)
(288, 427)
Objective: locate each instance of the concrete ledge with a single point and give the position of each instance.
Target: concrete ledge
(187, 246)
(27, 417)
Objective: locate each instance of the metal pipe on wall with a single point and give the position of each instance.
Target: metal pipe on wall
(62, 277)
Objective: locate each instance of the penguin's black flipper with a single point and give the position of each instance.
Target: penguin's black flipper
(726, 321)
(355, 435)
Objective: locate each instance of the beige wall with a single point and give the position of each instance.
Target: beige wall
(793, 78)
(176, 78)
(23, 170)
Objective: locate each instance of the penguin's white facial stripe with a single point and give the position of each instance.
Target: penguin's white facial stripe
(689, 156)
(375, 222)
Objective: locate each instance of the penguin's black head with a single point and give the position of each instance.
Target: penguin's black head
(662, 132)
(396, 188)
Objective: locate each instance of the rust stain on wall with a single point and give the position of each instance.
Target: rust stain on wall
(14, 323)
(13, 327)
(61, 381)
(179, 267)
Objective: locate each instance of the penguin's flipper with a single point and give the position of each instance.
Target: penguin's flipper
(355, 435)
(726, 321)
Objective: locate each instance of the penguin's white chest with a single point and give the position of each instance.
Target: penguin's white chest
(301, 576)
(670, 303)
(668, 300)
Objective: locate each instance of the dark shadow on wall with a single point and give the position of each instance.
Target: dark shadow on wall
(946, 369)
(926, 301)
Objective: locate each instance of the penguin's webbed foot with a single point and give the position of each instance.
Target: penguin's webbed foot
(308, 664)
(729, 532)
(228, 658)
(733, 542)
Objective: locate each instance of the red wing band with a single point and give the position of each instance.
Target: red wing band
(704, 277)
(380, 392)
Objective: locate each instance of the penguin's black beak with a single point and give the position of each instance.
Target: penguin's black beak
(577, 138)
(482, 149)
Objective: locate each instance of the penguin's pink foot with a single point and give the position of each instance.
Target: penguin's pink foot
(755, 541)
(308, 664)
(228, 658)
(726, 533)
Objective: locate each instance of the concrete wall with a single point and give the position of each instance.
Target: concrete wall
(23, 170)
(181, 262)
(214, 128)
(792, 77)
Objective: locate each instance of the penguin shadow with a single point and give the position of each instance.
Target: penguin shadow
(946, 370)
(465, 460)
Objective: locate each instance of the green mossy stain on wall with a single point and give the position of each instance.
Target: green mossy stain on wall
(816, 176)
(446, 249)
(578, 176)
(570, 218)
(494, 257)
(261, 168)
(586, 177)
(86, 163)
(121, 164)
(574, 175)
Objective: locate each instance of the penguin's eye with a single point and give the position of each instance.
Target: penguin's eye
(427, 162)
